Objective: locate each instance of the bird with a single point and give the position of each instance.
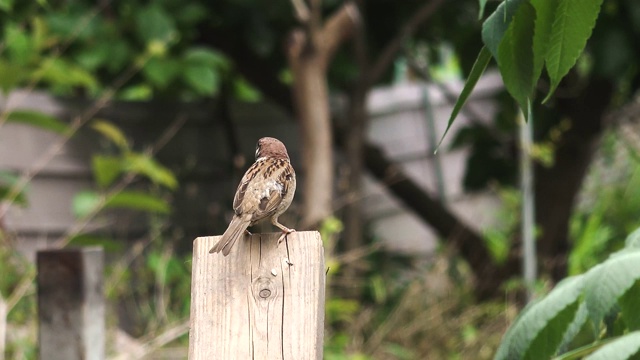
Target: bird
(265, 191)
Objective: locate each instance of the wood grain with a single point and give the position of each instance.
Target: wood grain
(253, 304)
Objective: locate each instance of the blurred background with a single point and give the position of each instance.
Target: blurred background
(128, 124)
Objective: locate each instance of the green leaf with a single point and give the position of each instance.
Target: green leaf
(154, 24)
(582, 315)
(244, 91)
(538, 332)
(136, 200)
(206, 56)
(498, 245)
(138, 92)
(476, 72)
(7, 183)
(6, 5)
(629, 305)
(18, 44)
(621, 349)
(515, 56)
(37, 119)
(633, 240)
(161, 71)
(481, 4)
(111, 132)
(572, 27)
(203, 79)
(607, 282)
(545, 11)
(106, 169)
(108, 244)
(64, 75)
(496, 25)
(145, 165)
(11, 75)
(84, 203)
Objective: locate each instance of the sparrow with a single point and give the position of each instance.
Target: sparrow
(265, 191)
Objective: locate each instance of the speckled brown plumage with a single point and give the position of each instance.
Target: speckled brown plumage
(265, 191)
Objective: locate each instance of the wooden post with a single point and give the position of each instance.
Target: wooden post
(71, 306)
(263, 301)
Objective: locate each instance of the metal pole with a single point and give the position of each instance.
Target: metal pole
(528, 202)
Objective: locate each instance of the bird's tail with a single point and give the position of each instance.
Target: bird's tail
(234, 232)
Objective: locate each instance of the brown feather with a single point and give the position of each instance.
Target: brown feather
(234, 232)
(265, 191)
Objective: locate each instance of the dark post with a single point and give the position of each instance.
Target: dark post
(71, 306)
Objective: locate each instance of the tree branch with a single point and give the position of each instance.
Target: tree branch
(301, 11)
(388, 54)
(446, 224)
(339, 27)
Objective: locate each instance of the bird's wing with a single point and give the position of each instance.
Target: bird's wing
(262, 188)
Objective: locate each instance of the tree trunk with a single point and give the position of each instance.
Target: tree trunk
(312, 108)
(309, 52)
(557, 186)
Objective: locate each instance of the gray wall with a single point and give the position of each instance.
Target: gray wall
(200, 154)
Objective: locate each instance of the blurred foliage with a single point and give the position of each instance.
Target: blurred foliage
(594, 314)
(498, 238)
(610, 53)
(161, 49)
(609, 211)
(80, 47)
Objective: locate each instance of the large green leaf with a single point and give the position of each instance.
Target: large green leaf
(515, 56)
(147, 166)
(11, 75)
(136, 200)
(87, 202)
(107, 243)
(572, 26)
(633, 240)
(629, 305)
(621, 349)
(37, 119)
(496, 25)
(6, 5)
(206, 56)
(203, 79)
(64, 75)
(539, 331)
(8, 181)
(106, 169)
(476, 72)
(155, 25)
(481, 4)
(582, 315)
(545, 12)
(161, 71)
(19, 44)
(84, 203)
(607, 282)
(111, 132)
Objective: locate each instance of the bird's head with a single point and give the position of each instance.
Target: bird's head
(268, 147)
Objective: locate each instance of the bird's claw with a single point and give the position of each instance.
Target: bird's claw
(284, 235)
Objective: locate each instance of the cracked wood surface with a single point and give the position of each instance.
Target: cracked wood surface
(252, 304)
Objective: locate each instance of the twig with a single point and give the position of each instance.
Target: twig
(3, 326)
(77, 123)
(167, 336)
(388, 54)
(27, 281)
(301, 10)
(55, 55)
